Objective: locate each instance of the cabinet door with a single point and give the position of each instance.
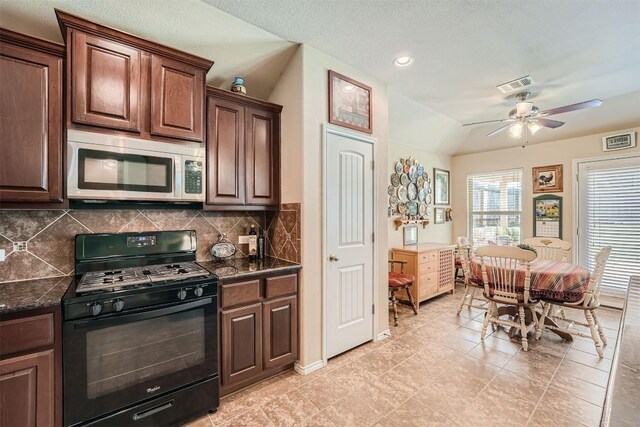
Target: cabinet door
(263, 157)
(26, 390)
(446, 275)
(177, 99)
(105, 88)
(225, 152)
(30, 125)
(241, 343)
(280, 326)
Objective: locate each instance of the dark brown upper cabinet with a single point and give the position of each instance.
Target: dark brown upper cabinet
(177, 99)
(106, 83)
(243, 152)
(31, 128)
(122, 84)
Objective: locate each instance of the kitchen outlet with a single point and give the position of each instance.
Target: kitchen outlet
(1, 255)
(243, 240)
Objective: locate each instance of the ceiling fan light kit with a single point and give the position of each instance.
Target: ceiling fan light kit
(528, 118)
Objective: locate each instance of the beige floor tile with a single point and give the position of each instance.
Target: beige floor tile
(200, 422)
(234, 405)
(323, 391)
(534, 364)
(415, 413)
(589, 347)
(318, 420)
(583, 372)
(289, 410)
(505, 346)
(547, 417)
(520, 386)
(386, 393)
(271, 389)
(571, 407)
(352, 411)
(591, 360)
(579, 388)
(456, 343)
(490, 355)
(254, 418)
(495, 406)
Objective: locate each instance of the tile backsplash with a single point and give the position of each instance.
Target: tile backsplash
(40, 243)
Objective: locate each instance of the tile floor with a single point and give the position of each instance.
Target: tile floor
(434, 370)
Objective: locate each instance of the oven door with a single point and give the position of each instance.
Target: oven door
(121, 173)
(120, 360)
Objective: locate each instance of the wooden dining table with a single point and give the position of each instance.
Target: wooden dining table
(552, 280)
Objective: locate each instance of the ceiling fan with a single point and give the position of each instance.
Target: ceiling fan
(529, 118)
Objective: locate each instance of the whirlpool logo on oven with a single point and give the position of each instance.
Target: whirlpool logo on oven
(153, 389)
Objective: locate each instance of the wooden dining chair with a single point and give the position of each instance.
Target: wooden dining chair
(550, 248)
(507, 282)
(589, 302)
(400, 281)
(465, 252)
(463, 246)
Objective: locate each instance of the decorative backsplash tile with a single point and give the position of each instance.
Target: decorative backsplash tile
(284, 232)
(49, 234)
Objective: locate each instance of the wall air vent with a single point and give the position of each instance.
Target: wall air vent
(516, 85)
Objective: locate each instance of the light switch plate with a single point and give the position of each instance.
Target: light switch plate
(243, 240)
(2, 255)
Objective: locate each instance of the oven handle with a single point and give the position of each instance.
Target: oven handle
(143, 316)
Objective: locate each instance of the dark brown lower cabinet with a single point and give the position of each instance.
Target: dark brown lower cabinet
(26, 390)
(258, 330)
(241, 343)
(280, 331)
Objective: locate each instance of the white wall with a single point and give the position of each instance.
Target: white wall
(315, 98)
(548, 153)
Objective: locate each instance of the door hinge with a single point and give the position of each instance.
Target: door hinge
(373, 164)
(373, 237)
(373, 309)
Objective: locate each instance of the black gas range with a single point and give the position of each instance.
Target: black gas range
(140, 331)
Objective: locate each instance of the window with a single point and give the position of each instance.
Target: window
(494, 207)
(609, 215)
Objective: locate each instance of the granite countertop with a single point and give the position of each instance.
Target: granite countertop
(621, 401)
(32, 294)
(241, 268)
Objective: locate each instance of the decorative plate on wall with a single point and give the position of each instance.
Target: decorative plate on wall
(422, 195)
(391, 190)
(402, 208)
(404, 179)
(412, 191)
(420, 170)
(422, 210)
(399, 168)
(395, 179)
(402, 194)
(420, 182)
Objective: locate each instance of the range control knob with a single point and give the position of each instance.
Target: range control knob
(198, 291)
(95, 308)
(118, 304)
(182, 294)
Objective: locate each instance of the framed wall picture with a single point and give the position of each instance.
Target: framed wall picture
(547, 179)
(349, 103)
(410, 235)
(439, 215)
(547, 216)
(441, 187)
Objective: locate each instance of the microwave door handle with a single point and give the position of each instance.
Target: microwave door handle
(142, 316)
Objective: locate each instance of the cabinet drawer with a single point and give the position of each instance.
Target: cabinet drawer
(280, 286)
(428, 257)
(428, 267)
(26, 333)
(428, 284)
(239, 293)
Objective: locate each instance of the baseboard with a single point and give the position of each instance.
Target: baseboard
(383, 335)
(306, 370)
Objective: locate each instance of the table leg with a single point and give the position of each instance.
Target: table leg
(512, 310)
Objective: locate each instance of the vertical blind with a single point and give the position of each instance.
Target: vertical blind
(494, 207)
(613, 219)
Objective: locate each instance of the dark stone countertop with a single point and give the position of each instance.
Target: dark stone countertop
(621, 402)
(32, 294)
(241, 268)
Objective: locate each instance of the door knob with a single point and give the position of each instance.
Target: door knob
(333, 258)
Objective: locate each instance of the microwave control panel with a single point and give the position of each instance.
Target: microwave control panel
(193, 177)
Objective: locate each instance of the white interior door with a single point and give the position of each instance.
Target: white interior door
(609, 215)
(348, 253)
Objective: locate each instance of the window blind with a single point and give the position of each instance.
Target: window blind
(613, 218)
(494, 207)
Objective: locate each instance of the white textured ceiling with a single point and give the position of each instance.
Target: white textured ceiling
(237, 47)
(575, 50)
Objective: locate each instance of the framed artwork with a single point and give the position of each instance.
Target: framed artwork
(410, 235)
(439, 216)
(547, 216)
(547, 179)
(441, 187)
(349, 103)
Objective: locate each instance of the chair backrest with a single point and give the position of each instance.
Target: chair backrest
(465, 252)
(500, 275)
(595, 278)
(550, 248)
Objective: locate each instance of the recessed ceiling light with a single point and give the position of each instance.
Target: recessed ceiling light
(402, 61)
(348, 88)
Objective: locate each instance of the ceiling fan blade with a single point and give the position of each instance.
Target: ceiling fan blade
(548, 123)
(489, 121)
(500, 129)
(573, 107)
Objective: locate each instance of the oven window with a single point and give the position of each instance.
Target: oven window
(103, 170)
(121, 356)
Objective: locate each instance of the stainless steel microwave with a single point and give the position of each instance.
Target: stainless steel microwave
(108, 167)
